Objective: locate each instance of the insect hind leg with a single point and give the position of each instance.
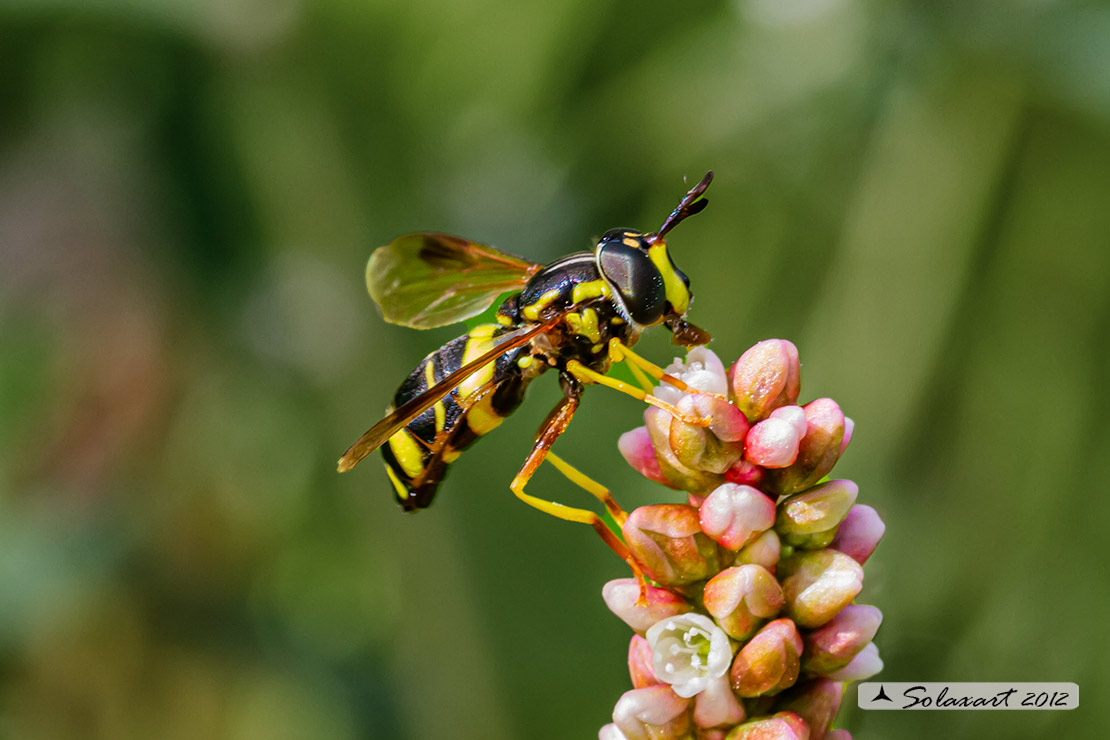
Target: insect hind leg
(598, 491)
(555, 424)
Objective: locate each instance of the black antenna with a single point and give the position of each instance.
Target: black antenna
(691, 203)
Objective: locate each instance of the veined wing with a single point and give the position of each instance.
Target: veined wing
(377, 435)
(425, 280)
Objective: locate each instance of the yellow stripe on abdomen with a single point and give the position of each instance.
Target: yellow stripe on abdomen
(409, 454)
(478, 342)
(430, 381)
(402, 492)
(481, 418)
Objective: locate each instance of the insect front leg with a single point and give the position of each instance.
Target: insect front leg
(620, 352)
(586, 375)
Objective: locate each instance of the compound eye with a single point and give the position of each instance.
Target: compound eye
(613, 235)
(627, 237)
(636, 278)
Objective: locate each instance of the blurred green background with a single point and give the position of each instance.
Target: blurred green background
(916, 193)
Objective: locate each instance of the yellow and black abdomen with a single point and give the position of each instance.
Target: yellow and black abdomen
(417, 456)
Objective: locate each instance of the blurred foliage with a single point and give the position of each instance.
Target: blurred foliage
(914, 192)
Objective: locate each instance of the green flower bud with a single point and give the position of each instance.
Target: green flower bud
(818, 584)
(817, 702)
(819, 509)
(741, 598)
(677, 474)
(668, 542)
(815, 541)
(765, 550)
(781, 726)
(765, 377)
(702, 448)
(770, 662)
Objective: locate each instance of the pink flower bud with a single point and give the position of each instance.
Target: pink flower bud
(816, 702)
(781, 726)
(770, 662)
(838, 735)
(859, 533)
(652, 713)
(772, 443)
(732, 514)
(865, 665)
(726, 422)
(712, 449)
(716, 705)
(765, 377)
(677, 474)
(741, 597)
(817, 453)
(764, 550)
(743, 473)
(832, 646)
(611, 732)
(622, 596)
(818, 584)
(849, 427)
(638, 452)
(796, 415)
(639, 663)
(668, 542)
(817, 510)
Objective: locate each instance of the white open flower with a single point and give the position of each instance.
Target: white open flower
(702, 371)
(688, 652)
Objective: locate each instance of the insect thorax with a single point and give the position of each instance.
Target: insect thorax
(573, 290)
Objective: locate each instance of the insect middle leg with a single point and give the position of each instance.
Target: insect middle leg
(555, 424)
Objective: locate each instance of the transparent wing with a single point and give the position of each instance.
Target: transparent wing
(426, 280)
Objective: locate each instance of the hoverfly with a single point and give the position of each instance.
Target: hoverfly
(577, 315)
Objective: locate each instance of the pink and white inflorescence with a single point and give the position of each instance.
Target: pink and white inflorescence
(750, 629)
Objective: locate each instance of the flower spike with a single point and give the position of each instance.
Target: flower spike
(749, 630)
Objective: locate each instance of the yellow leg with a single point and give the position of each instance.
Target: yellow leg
(600, 492)
(552, 427)
(583, 373)
(619, 352)
(641, 377)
